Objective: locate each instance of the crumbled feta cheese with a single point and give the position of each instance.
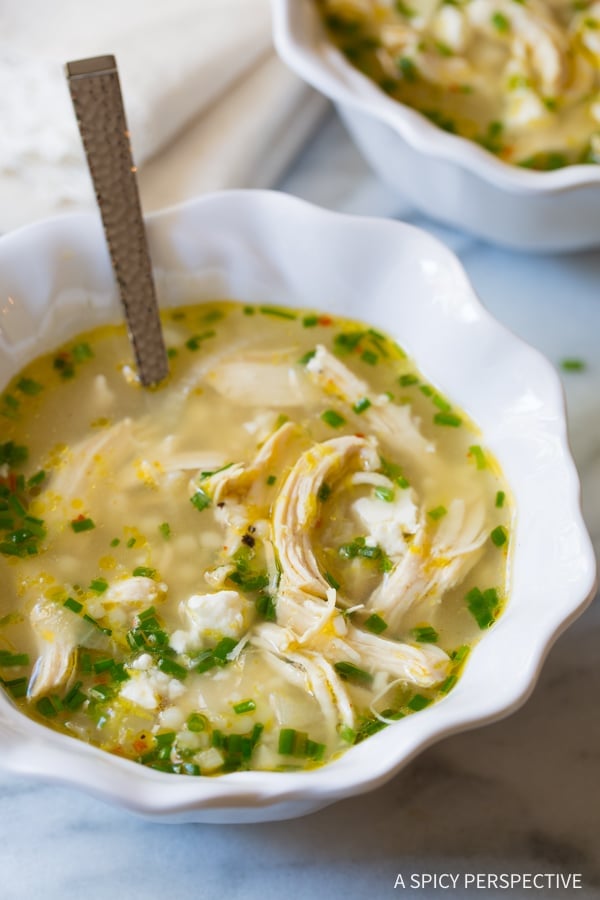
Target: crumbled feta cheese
(140, 691)
(210, 617)
(142, 663)
(387, 524)
(452, 28)
(209, 760)
(172, 718)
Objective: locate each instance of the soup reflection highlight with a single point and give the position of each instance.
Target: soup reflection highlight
(290, 545)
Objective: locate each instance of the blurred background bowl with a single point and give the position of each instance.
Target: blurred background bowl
(450, 178)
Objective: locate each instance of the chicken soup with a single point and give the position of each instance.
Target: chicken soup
(289, 545)
(519, 77)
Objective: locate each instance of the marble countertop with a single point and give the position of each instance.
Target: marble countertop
(520, 796)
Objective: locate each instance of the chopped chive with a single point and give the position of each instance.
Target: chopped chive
(287, 740)
(74, 605)
(118, 673)
(165, 739)
(500, 22)
(376, 624)
(333, 418)
(483, 606)
(248, 310)
(75, 697)
(367, 551)
(196, 722)
(271, 479)
(131, 543)
(103, 665)
(478, 455)
(440, 402)
(170, 667)
(99, 585)
(165, 530)
(29, 386)
(499, 536)
(12, 549)
(115, 542)
(224, 648)
(332, 581)
(17, 506)
(346, 342)
(46, 707)
(195, 341)
(350, 671)
(172, 352)
(8, 659)
(144, 572)
(146, 614)
(315, 750)
(384, 493)
(500, 498)
(81, 352)
(13, 454)
(347, 734)
(324, 492)
(36, 479)
(425, 634)
(448, 684)
(17, 687)
(278, 313)
(447, 418)
(304, 360)
(35, 526)
(97, 624)
(418, 702)
(461, 653)
(265, 607)
(572, 365)
(361, 405)
(408, 69)
(385, 563)
(213, 315)
(244, 706)
(255, 582)
(200, 500)
(310, 321)
(408, 379)
(348, 551)
(369, 357)
(82, 523)
(437, 513)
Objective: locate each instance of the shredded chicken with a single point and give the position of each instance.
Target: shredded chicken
(433, 564)
(393, 425)
(297, 506)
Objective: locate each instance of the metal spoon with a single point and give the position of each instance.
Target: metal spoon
(96, 94)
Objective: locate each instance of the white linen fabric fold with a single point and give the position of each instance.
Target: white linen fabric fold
(208, 103)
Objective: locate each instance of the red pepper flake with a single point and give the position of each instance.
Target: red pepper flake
(325, 320)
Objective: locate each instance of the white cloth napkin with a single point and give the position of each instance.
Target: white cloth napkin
(208, 103)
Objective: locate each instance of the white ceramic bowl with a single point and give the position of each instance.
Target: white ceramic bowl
(55, 280)
(447, 177)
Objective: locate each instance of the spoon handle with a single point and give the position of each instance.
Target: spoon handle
(96, 94)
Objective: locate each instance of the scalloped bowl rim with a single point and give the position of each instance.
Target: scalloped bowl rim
(259, 218)
(327, 70)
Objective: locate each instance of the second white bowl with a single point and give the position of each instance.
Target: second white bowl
(446, 176)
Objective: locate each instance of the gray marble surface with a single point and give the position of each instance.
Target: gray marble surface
(520, 796)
